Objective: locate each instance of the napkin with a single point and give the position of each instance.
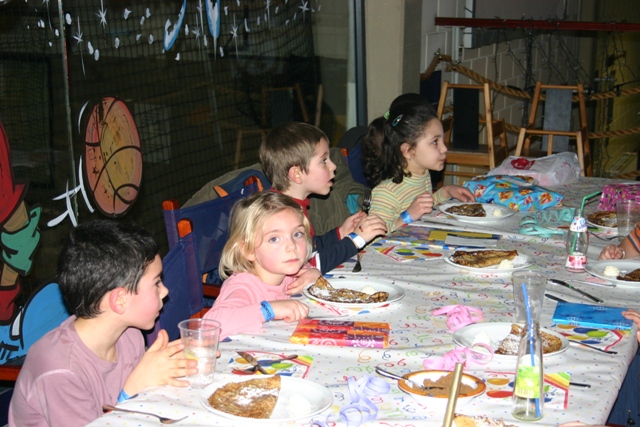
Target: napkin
(405, 253)
(298, 367)
(341, 333)
(592, 316)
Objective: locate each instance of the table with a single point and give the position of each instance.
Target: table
(417, 334)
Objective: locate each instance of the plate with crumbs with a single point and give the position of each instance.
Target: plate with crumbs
(463, 212)
(496, 332)
(624, 266)
(298, 399)
(604, 220)
(371, 287)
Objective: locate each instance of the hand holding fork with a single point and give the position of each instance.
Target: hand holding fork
(366, 205)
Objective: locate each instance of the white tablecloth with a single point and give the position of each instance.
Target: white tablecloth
(417, 334)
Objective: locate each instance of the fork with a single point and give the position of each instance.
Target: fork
(163, 420)
(366, 202)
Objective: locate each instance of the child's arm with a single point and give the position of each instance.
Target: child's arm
(626, 248)
(305, 276)
(161, 364)
(289, 310)
(635, 316)
(350, 224)
(459, 193)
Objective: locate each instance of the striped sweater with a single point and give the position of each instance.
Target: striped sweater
(389, 199)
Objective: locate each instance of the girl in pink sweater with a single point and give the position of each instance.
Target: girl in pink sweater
(267, 249)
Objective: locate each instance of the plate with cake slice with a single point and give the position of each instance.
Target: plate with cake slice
(353, 293)
(476, 212)
(266, 399)
(489, 260)
(605, 220)
(504, 337)
(622, 272)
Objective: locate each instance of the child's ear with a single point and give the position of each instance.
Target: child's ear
(295, 174)
(406, 150)
(250, 256)
(118, 300)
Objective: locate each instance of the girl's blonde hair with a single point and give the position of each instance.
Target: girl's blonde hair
(247, 220)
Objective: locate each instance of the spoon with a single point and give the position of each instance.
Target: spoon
(388, 374)
(163, 420)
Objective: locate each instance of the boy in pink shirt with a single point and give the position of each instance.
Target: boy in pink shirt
(110, 277)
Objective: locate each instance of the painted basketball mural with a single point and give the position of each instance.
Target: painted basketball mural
(113, 160)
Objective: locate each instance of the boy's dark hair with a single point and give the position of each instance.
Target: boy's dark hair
(98, 257)
(287, 145)
(405, 122)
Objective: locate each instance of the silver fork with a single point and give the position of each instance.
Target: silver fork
(163, 420)
(366, 202)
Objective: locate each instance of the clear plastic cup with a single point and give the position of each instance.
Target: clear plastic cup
(200, 338)
(535, 283)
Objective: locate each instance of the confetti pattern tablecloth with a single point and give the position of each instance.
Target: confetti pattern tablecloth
(417, 335)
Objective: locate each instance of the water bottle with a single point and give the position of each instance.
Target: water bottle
(528, 389)
(577, 244)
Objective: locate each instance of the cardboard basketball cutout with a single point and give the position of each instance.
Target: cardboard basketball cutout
(113, 158)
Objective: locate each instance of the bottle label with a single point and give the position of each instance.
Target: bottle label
(576, 261)
(578, 224)
(528, 382)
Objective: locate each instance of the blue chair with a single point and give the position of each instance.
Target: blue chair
(210, 225)
(43, 311)
(181, 277)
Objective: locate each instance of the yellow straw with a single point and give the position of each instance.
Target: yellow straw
(453, 396)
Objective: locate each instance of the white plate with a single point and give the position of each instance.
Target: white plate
(395, 292)
(596, 268)
(489, 209)
(519, 262)
(318, 396)
(602, 227)
(497, 332)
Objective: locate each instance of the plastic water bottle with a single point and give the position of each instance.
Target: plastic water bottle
(577, 244)
(528, 390)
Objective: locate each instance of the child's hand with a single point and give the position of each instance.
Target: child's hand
(161, 364)
(460, 193)
(422, 204)
(611, 252)
(289, 310)
(350, 224)
(306, 276)
(635, 316)
(370, 227)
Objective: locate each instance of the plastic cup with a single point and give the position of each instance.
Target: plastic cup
(627, 216)
(535, 284)
(200, 338)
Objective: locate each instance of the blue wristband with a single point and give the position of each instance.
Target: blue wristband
(123, 396)
(267, 311)
(406, 218)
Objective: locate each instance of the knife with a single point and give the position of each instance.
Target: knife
(554, 298)
(606, 285)
(573, 288)
(252, 361)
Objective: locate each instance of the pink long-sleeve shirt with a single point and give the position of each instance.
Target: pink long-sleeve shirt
(237, 308)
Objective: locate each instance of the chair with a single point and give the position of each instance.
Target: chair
(210, 224)
(276, 108)
(458, 133)
(556, 123)
(181, 277)
(43, 311)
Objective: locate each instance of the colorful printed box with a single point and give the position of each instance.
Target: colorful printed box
(345, 334)
(612, 193)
